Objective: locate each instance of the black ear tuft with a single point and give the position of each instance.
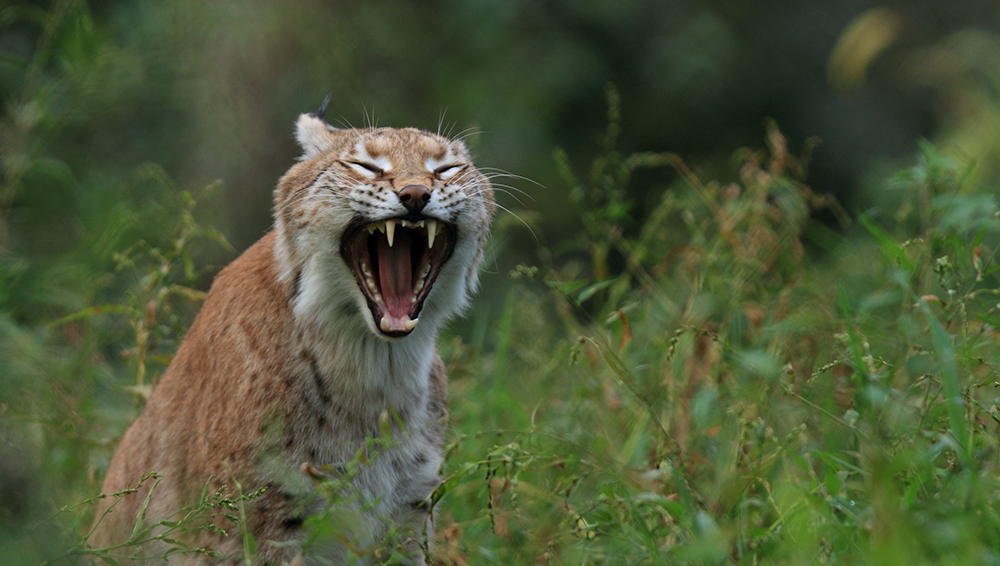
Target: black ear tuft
(322, 107)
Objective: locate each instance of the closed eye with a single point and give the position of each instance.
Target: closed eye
(446, 171)
(367, 169)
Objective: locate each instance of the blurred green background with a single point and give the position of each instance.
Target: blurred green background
(109, 110)
(210, 90)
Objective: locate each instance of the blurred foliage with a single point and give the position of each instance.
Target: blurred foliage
(960, 70)
(720, 397)
(685, 366)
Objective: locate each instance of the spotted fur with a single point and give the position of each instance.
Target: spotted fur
(284, 373)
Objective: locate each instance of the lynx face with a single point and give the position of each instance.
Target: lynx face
(387, 224)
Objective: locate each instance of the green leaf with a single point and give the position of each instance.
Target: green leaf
(567, 287)
(953, 392)
(93, 311)
(593, 289)
(890, 247)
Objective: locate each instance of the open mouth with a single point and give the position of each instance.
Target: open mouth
(396, 262)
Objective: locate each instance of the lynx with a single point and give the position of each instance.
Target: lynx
(317, 339)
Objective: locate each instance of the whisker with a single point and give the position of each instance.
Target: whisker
(332, 204)
(343, 121)
(462, 179)
(444, 111)
(510, 190)
(494, 173)
(501, 190)
(491, 242)
(512, 213)
(368, 119)
(471, 130)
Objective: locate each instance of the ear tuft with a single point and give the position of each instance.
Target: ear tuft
(313, 134)
(322, 107)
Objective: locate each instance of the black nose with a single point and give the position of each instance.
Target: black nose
(414, 197)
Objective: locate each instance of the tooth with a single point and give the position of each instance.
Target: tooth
(410, 324)
(432, 228)
(384, 324)
(421, 223)
(380, 227)
(390, 231)
(371, 228)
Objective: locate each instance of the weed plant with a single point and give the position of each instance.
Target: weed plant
(700, 388)
(731, 382)
(717, 379)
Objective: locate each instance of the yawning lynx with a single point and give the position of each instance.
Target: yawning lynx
(317, 339)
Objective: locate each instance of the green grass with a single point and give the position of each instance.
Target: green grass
(708, 376)
(717, 378)
(745, 386)
(728, 382)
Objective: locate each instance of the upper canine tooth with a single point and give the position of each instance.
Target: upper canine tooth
(390, 231)
(432, 227)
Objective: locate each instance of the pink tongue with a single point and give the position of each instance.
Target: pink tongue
(396, 274)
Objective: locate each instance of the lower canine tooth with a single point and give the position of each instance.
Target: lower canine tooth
(408, 324)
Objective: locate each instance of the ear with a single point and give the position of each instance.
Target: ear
(314, 135)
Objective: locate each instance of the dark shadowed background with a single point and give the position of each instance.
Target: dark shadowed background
(210, 90)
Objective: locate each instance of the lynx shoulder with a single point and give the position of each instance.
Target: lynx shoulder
(317, 339)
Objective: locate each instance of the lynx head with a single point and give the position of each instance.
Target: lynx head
(382, 224)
